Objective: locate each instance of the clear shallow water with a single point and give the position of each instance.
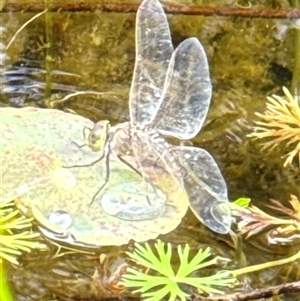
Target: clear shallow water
(99, 47)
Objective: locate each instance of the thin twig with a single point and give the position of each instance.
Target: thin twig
(268, 292)
(22, 27)
(170, 9)
(54, 103)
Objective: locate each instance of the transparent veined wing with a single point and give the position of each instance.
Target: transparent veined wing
(156, 194)
(157, 165)
(153, 52)
(205, 187)
(131, 200)
(187, 92)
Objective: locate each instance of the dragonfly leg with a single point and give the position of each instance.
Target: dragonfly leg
(148, 182)
(107, 174)
(138, 172)
(154, 188)
(78, 145)
(130, 165)
(86, 165)
(148, 191)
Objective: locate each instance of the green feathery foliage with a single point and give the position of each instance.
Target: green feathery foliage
(280, 124)
(164, 281)
(167, 281)
(15, 235)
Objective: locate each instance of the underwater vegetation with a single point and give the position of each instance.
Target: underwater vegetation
(15, 233)
(155, 277)
(167, 281)
(22, 82)
(159, 280)
(16, 237)
(280, 124)
(285, 229)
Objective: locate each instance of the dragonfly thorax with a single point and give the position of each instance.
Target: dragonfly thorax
(124, 133)
(122, 139)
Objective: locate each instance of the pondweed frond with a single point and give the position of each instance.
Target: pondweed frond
(281, 124)
(278, 230)
(15, 235)
(155, 287)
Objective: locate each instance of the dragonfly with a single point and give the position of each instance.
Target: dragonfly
(169, 97)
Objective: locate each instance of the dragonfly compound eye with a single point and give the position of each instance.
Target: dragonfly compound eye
(98, 135)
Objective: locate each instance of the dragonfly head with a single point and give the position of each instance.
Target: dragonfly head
(96, 137)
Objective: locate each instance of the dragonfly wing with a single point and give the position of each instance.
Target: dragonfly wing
(153, 53)
(157, 165)
(154, 194)
(132, 200)
(187, 92)
(205, 187)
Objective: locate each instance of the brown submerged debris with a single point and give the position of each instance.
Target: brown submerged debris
(268, 292)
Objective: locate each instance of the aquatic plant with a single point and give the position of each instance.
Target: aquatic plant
(164, 281)
(252, 221)
(280, 123)
(21, 83)
(15, 234)
(5, 293)
(167, 281)
(243, 202)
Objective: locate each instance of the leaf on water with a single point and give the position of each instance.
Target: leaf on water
(43, 183)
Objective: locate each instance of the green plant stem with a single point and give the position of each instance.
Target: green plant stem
(266, 265)
(48, 42)
(296, 73)
(5, 293)
(295, 84)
